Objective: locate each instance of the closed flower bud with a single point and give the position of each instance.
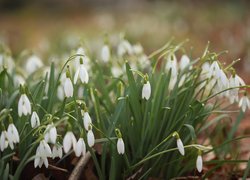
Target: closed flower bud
(180, 147)
(35, 120)
(146, 91)
(86, 120)
(105, 53)
(24, 107)
(120, 146)
(199, 163)
(90, 138)
(68, 88)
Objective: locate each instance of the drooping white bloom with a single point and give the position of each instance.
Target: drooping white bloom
(3, 140)
(172, 65)
(35, 120)
(215, 70)
(69, 141)
(184, 62)
(86, 120)
(50, 134)
(60, 93)
(86, 60)
(68, 88)
(82, 73)
(57, 151)
(124, 48)
(12, 135)
(146, 91)
(24, 107)
(180, 147)
(33, 63)
(116, 71)
(233, 94)
(105, 53)
(199, 163)
(120, 146)
(80, 148)
(90, 138)
(19, 80)
(244, 103)
(137, 49)
(222, 80)
(43, 151)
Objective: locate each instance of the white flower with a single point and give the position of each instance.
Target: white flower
(184, 62)
(35, 120)
(33, 63)
(86, 120)
(60, 92)
(124, 48)
(50, 134)
(82, 73)
(146, 91)
(233, 94)
(24, 107)
(244, 103)
(43, 151)
(57, 151)
(90, 138)
(180, 147)
(12, 135)
(68, 88)
(3, 140)
(80, 148)
(215, 70)
(69, 141)
(172, 64)
(120, 146)
(199, 163)
(105, 53)
(137, 49)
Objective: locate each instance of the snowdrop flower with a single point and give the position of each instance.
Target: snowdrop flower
(146, 91)
(116, 71)
(68, 86)
(12, 135)
(184, 62)
(124, 48)
(86, 120)
(50, 134)
(82, 73)
(35, 120)
(180, 147)
(57, 151)
(244, 103)
(120, 146)
(199, 163)
(60, 93)
(234, 81)
(105, 53)
(80, 148)
(69, 141)
(19, 80)
(3, 140)
(179, 143)
(43, 151)
(90, 137)
(137, 49)
(172, 65)
(33, 63)
(24, 107)
(215, 70)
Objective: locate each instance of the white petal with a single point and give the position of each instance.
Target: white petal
(120, 146)
(78, 148)
(68, 88)
(184, 62)
(86, 120)
(83, 74)
(67, 144)
(146, 91)
(53, 134)
(27, 104)
(36, 161)
(180, 147)
(90, 138)
(76, 75)
(199, 163)
(20, 106)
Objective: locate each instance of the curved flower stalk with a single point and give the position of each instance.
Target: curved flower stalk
(50, 134)
(69, 141)
(35, 120)
(82, 73)
(43, 151)
(24, 106)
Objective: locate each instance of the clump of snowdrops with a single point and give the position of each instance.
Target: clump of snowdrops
(137, 115)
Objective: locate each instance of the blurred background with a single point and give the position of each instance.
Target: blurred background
(46, 25)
